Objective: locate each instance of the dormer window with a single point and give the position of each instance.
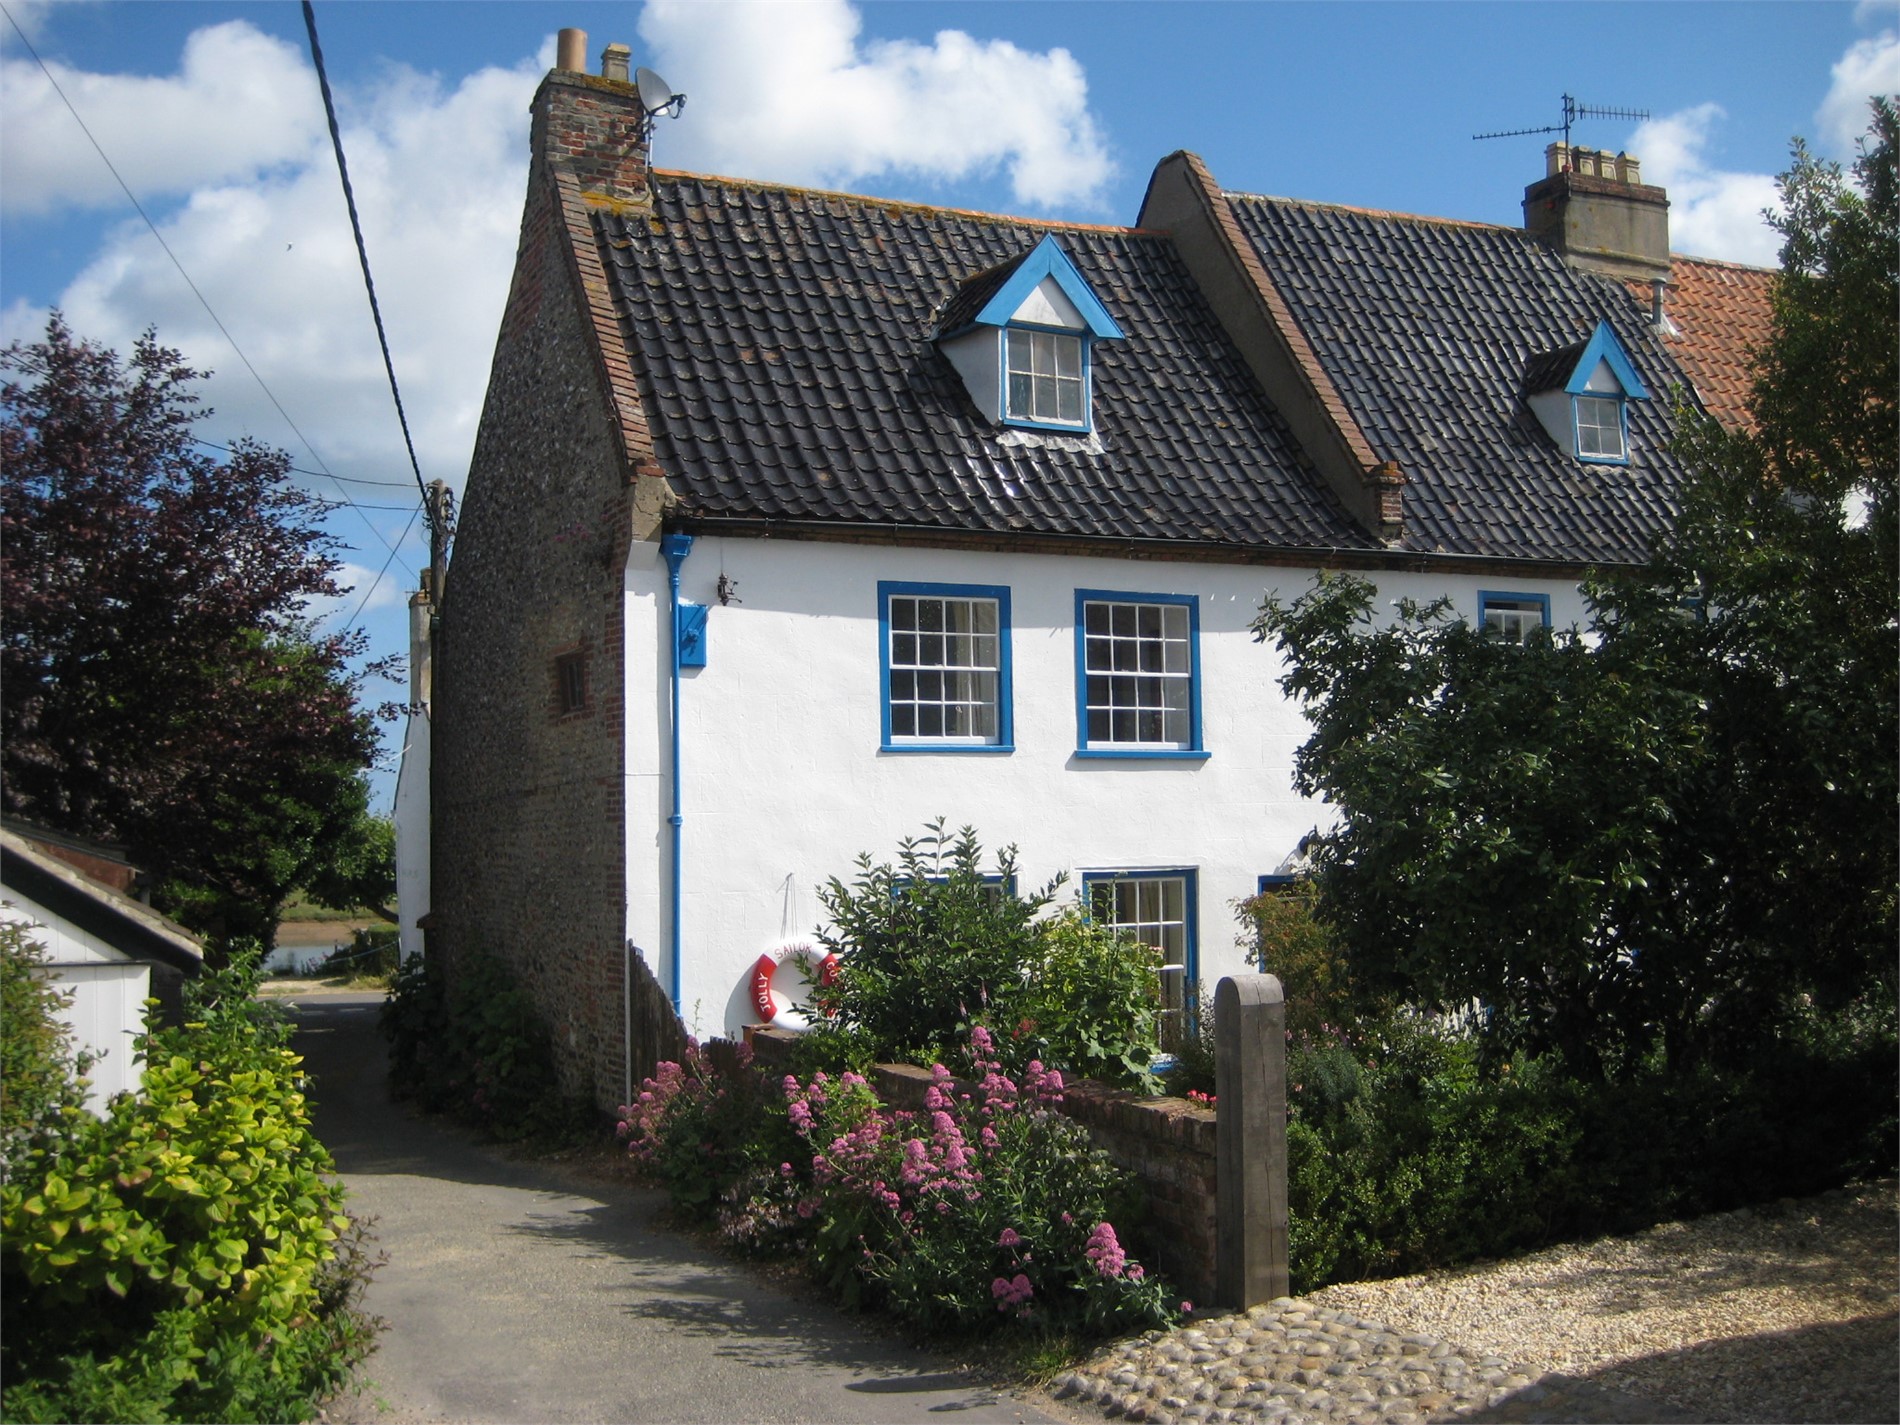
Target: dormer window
(1045, 378)
(1581, 394)
(1022, 337)
(1600, 428)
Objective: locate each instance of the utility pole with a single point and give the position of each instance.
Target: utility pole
(441, 513)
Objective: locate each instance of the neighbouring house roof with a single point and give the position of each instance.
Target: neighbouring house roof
(135, 930)
(1429, 330)
(1721, 312)
(784, 345)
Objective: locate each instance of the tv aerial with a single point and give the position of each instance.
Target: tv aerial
(657, 96)
(1572, 112)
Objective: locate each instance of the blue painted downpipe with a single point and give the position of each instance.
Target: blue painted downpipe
(675, 548)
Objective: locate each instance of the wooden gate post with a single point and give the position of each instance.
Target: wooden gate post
(1250, 1225)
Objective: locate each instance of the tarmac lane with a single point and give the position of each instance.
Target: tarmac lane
(525, 1291)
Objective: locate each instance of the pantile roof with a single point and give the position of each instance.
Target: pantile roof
(783, 343)
(1721, 313)
(1432, 331)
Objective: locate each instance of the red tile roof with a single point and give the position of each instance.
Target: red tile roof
(1721, 314)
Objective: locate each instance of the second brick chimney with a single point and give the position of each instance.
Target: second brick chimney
(593, 125)
(1594, 208)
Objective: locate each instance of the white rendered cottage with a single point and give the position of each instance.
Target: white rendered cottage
(798, 520)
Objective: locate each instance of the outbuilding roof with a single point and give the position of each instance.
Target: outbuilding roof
(133, 929)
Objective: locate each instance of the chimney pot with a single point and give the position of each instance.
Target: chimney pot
(614, 62)
(570, 51)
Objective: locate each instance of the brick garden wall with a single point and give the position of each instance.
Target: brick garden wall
(1166, 1142)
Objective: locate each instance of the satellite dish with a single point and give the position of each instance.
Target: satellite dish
(656, 95)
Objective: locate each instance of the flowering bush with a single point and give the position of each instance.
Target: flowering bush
(714, 1142)
(986, 1208)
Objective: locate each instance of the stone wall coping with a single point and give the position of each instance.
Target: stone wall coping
(1178, 1122)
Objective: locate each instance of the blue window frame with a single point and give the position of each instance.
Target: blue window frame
(1137, 675)
(1158, 908)
(1045, 378)
(1273, 883)
(1513, 616)
(1601, 423)
(944, 667)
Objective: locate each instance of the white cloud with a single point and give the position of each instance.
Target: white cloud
(438, 174)
(1712, 213)
(788, 92)
(1870, 67)
(30, 16)
(166, 135)
(363, 593)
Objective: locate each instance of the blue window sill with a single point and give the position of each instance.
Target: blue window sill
(1175, 754)
(979, 749)
(1051, 427)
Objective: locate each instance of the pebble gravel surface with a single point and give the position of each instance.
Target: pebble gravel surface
(1779, 1313)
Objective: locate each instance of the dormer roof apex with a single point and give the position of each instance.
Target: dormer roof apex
(994, 297)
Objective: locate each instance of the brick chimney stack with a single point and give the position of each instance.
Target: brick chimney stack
(593, 125)
(1594, 208)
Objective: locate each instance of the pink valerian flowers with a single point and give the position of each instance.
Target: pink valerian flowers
(921, 1171)
(1104, 1252)
(643, 1122)
(1012, 1292)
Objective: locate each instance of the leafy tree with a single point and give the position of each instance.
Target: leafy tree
(362, 870)
(1679, 829)
(158, 686)
(1788, 542)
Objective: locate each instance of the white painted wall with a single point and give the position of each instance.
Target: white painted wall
(412, 789)
(109, 993)
(784, 784)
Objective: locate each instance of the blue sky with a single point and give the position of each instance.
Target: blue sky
(211, 114)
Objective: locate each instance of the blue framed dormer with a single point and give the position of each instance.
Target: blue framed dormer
(1022, 336)
(1581, 394)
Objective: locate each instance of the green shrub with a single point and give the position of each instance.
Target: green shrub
(1408, 1150)
(186, 1257)
(371, 954)
(42, 1080)
(474, 1045)
(1409, 1158)
(1193, 1069)
(932, 947)
(1283, 935)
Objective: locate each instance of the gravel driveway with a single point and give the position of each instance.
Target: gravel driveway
(524, 1291)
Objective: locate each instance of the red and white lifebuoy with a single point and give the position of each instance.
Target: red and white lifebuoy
(781, 982)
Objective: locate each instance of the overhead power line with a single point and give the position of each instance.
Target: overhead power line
(382, 573)
(362, 251)
(299, 470)
(139, 208)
